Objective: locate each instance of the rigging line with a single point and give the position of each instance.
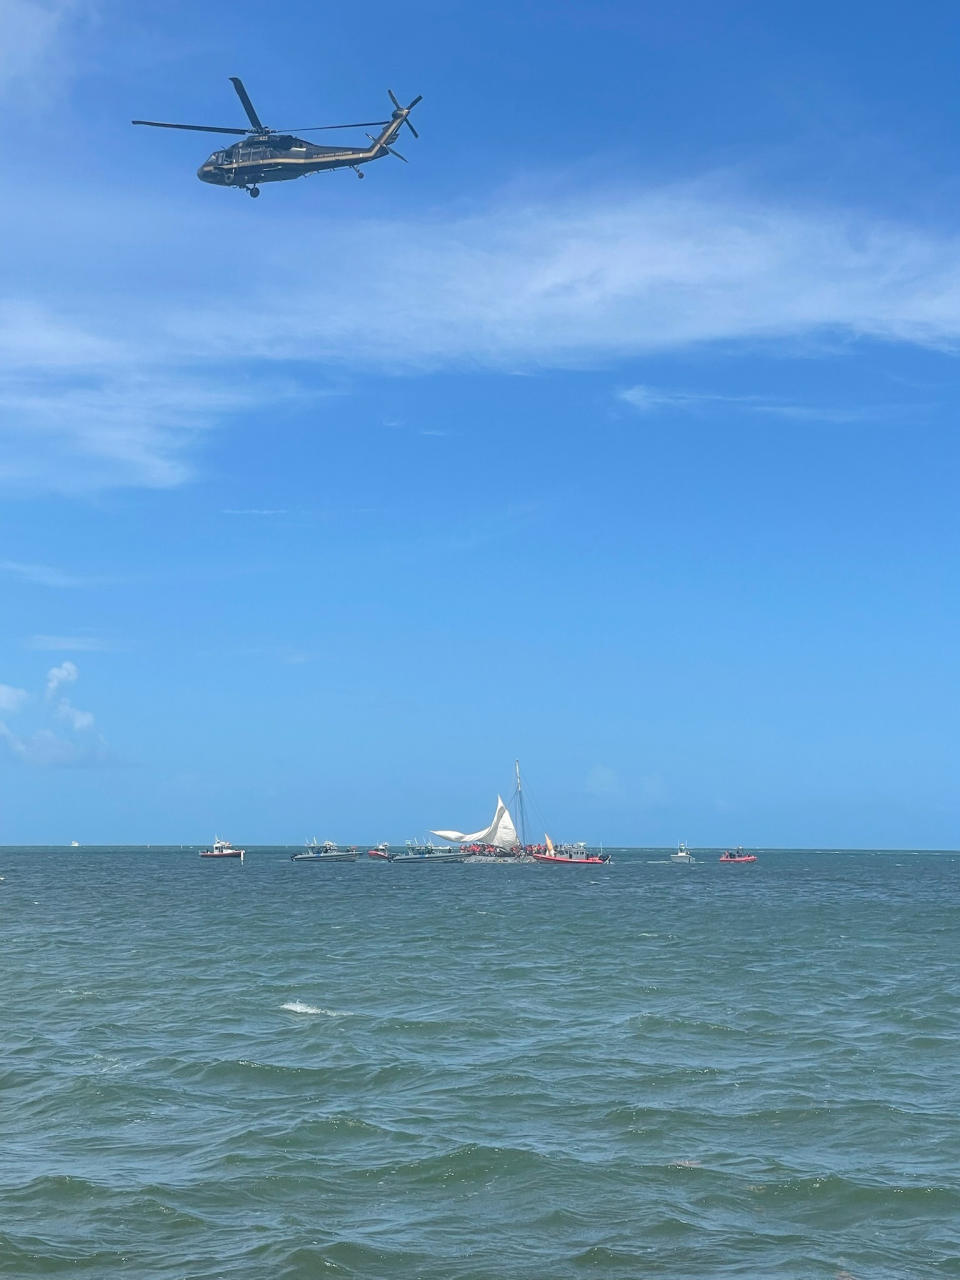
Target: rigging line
(528, 799)
(517, 804)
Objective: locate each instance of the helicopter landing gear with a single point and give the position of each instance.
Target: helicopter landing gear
(254, 192)
(359, 173)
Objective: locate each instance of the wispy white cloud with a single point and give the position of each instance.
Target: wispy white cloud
(76, 644)
(11, 698)
(45, 746)
(107, 426)
(94, 395)
(47, 749)
(77, 719)
(66, 673)
(43, 575)
(593, 279)
(647, 399)
(253, 511)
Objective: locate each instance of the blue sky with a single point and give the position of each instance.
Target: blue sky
(615, 432)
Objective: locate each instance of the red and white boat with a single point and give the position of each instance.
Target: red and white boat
(222, 849)
(382, 851)
(576, 855)
(738, 856)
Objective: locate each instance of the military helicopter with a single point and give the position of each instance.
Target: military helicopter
(276, 155)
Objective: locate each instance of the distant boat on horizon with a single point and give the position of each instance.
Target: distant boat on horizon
(738, 856)
(326, 852)
(222, 849)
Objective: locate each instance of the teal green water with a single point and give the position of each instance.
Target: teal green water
(479, 1073)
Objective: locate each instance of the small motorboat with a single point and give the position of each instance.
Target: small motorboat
(222, 849)
(382, 851)
(420, 853)
(326, 852)
(683, 855)
(737, 856)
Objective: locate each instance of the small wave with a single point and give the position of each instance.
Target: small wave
(298, 1006)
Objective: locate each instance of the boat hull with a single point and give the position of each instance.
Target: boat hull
(234, 853)
(751, 857)
(489, 860)
(554, 859)
(429, 857)
(323, 857)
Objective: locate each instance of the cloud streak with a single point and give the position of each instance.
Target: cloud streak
(42, 575)
(595, 281)
(647, 400)
(120, 394)
(78, 644)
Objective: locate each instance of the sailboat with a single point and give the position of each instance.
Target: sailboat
(497, 842)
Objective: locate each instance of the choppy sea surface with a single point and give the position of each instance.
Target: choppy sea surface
(451, 1072)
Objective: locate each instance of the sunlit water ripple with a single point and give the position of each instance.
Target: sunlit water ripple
(479, 1073)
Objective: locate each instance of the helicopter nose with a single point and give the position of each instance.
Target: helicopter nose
(210, 173)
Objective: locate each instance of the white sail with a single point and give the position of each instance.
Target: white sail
(501, 833)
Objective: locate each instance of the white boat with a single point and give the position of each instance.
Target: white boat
(326, 852)
(222, 849)
(683, 855)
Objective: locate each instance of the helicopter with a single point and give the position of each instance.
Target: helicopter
(277, 155)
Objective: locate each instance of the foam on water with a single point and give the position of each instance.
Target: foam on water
(298, 1006)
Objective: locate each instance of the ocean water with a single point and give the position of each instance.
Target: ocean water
(479, 1073)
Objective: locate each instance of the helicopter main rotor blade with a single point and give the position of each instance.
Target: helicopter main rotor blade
(196, 128)
(315, 128)
(247, 104)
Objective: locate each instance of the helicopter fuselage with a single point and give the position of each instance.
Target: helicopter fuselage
(278, 157)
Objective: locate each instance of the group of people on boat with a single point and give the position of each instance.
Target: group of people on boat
(738, 856)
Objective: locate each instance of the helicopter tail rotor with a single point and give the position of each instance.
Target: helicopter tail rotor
(404, 112)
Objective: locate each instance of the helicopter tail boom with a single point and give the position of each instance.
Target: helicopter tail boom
(389, 133)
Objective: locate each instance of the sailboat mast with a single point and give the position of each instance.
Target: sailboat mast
(521, 815)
